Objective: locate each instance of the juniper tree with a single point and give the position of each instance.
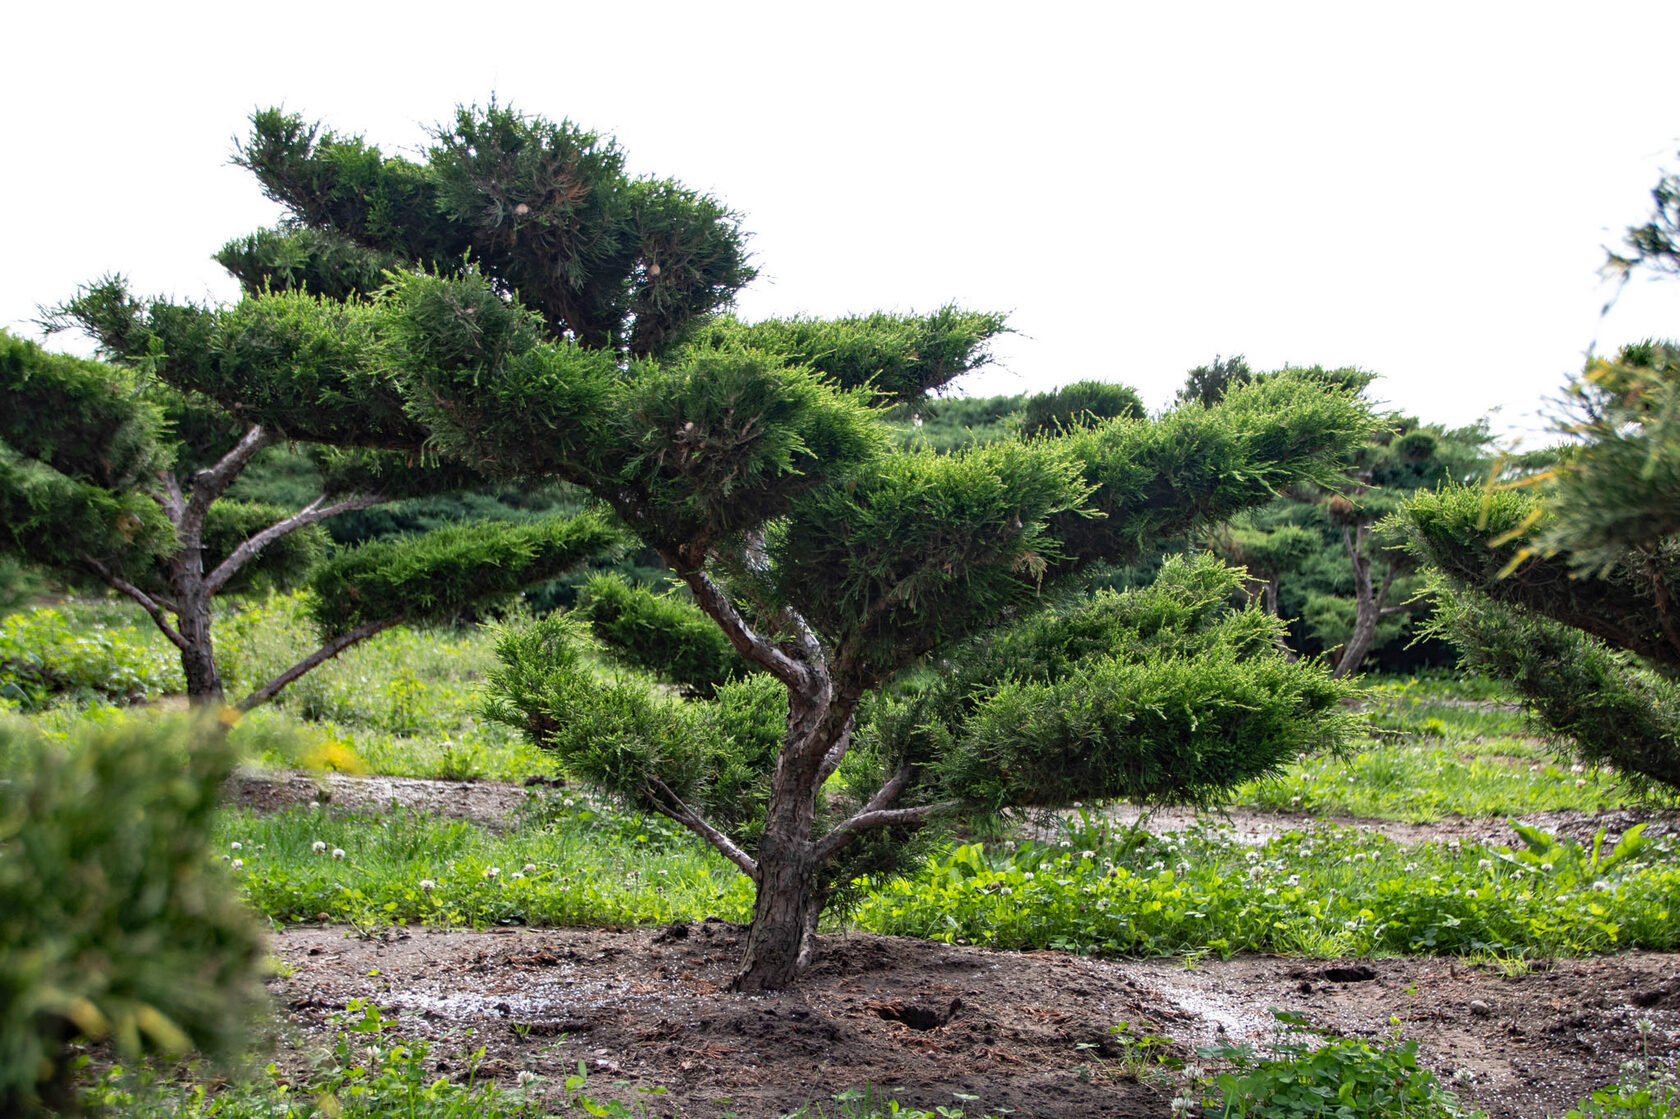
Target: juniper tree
(544, 336)
(1564, 582)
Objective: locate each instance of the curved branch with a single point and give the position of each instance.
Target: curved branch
(326, 652)
(210, 483)
(151, 605)
(308, 515)
(876, 814)
(682, 814)
(749, 643)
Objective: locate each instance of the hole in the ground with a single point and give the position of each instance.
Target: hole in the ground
(914, 1016)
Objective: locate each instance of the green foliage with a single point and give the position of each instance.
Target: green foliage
(45, 656)
(1206, 384)
(623, 736)
(439, 576)
(1324, 893)
(660, 633)
(297, 258)
(545, 208)
(1080, 404)
(1561, 641)
(113, 921)
(1337, 1077)
(58, 522)
(921, 550)
(76, 417)
(1197, 466)
(901, 358)
(1166, 692)
(954, 421)
(569, 861)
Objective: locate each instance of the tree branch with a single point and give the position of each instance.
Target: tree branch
(750, 644)
(151, 605)
(326, 652)
(211, 482)
(682, 814)
(876, 814)
(308, 515)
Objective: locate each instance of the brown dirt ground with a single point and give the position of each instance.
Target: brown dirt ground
(1031, 1032)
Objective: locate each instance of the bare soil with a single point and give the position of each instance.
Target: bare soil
(930, 1023)
(646, 1008)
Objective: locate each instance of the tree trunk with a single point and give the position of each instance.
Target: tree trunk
(779, 940)
(778, 943)
(198, 659)
(1367, 604)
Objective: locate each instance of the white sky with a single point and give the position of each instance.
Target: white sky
(1424, 190)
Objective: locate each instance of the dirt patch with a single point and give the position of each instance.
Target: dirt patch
(492, 804)
(495, 805)
(645, 1008)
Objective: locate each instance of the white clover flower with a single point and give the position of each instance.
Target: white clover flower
(427, 885)
(1545, 866)
(1294, 800)
(314, 804)
(1485, 864)
(1580, 782)
(1006, 891)
(1469, 893)
(529, 868)
(237, 864)
(236, 846)
(527, 1078)
(663, 873)
(1577, 769)
(1602, 886)
(1270, 891)
(1293, 880)
(1087, 854)
(491, 872)
(338, 853)
(318, 847)
(516, 876)
(1434, 877)
(1028, 876)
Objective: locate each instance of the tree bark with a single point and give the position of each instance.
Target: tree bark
(1367, 603)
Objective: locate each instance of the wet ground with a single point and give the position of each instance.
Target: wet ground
(933, 1024)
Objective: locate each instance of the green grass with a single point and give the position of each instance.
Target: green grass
(566, 864)
(1324, 892)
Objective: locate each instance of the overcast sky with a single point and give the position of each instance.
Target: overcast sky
(1422, 190)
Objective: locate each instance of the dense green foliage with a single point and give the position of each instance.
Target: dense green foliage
(113, 922)
(660, 633)
(45, 656)
(1079, 405)
(1334, 1077)
(1561, 640)
(439, 576)
(1165, 692)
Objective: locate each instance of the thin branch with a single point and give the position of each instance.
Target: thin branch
(750, 644)
(884, 818)
(151, 605)
(682, 814)
(308, 515)
(211, 482)
(326, 652)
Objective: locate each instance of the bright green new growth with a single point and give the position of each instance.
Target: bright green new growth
(115, 924)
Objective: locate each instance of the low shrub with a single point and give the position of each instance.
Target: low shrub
(114, 923)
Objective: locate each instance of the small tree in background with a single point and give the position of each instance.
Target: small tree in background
(752, 458)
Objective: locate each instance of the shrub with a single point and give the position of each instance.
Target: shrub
(114, 924)
(43, 656)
